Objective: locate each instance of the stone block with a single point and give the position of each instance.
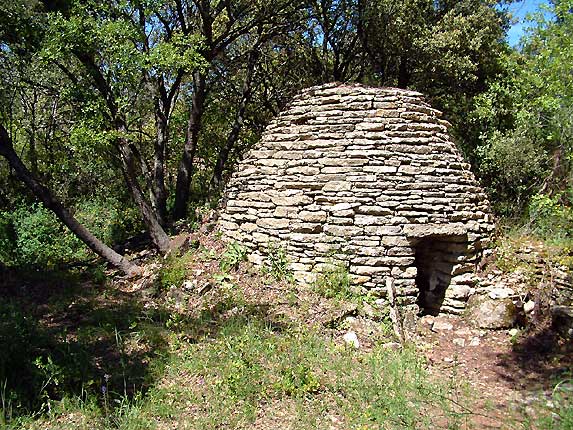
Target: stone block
(337, 186)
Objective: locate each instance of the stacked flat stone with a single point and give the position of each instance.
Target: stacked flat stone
(361, 175)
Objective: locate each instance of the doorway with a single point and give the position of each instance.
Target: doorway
(435, 258)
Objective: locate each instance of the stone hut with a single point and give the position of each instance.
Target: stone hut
(369, 178)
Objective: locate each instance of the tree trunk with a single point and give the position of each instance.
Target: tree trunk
(186, 166)
(158, 235)
(403, 73)
(158, 185)
(48, 199)
(223, 156)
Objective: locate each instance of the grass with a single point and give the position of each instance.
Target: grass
(335, 282)
(95, 357)
(232, 365)
(252, 372)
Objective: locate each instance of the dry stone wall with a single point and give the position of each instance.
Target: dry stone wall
(368, 177)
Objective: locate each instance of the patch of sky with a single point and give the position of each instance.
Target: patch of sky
(520, 10)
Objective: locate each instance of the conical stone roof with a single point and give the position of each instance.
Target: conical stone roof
(367, 178)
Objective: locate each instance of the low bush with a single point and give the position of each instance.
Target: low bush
(232, 257)
(32, 236)
(335, 282)
(277, 264)
(551, 217)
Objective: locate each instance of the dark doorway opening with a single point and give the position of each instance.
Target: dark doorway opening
(435, 258)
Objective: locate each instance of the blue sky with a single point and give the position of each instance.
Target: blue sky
(519, 10)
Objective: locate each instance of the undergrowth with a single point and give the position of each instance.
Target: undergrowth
(277, 263)
(335, 282)
(134, 364)
(251, 368)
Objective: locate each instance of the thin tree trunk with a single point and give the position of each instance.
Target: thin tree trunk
(186, 166)
(33, 153)
(158, 185)
(403, 73)
(158, 235)
(223, 156)
(48, 199)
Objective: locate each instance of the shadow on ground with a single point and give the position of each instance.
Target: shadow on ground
(539, 359)
(66, 336)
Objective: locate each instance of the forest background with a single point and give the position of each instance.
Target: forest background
(127, 116)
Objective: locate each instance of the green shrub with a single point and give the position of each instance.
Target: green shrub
(335, 282)
(7, 240)
(32, 235)
(232, 257)
(42, 240)
(277, 263)
(552, 216)
(24, 372)
(173, 271)
(109, 219)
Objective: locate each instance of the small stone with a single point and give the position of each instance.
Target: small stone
(463, 331)
(528, 306)
(391, 345)
(351, 339)
(475, 341)
(448, 360)
(441, 325)
(189, 285)
(459, 342)
(427, 320)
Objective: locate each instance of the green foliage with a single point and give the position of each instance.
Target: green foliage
(335, 282)
(526, 117)
(249, 365)
(560, 414)
(31, 235)
(232, 257)
(179, 52)
(513, 164)
(7, 240)
(174, 270)
(42, 241)
(277, 264)
(96, 357)
(552, 216)
(20, 379)
(297, 380)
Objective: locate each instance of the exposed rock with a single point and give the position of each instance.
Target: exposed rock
(500, 293)
(391, 345)
(485, 312)
(442, 324)
(351, 339)
(335, 316)
(528, 306)
(474, 341)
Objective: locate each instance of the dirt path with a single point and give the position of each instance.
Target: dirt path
(507, 374)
